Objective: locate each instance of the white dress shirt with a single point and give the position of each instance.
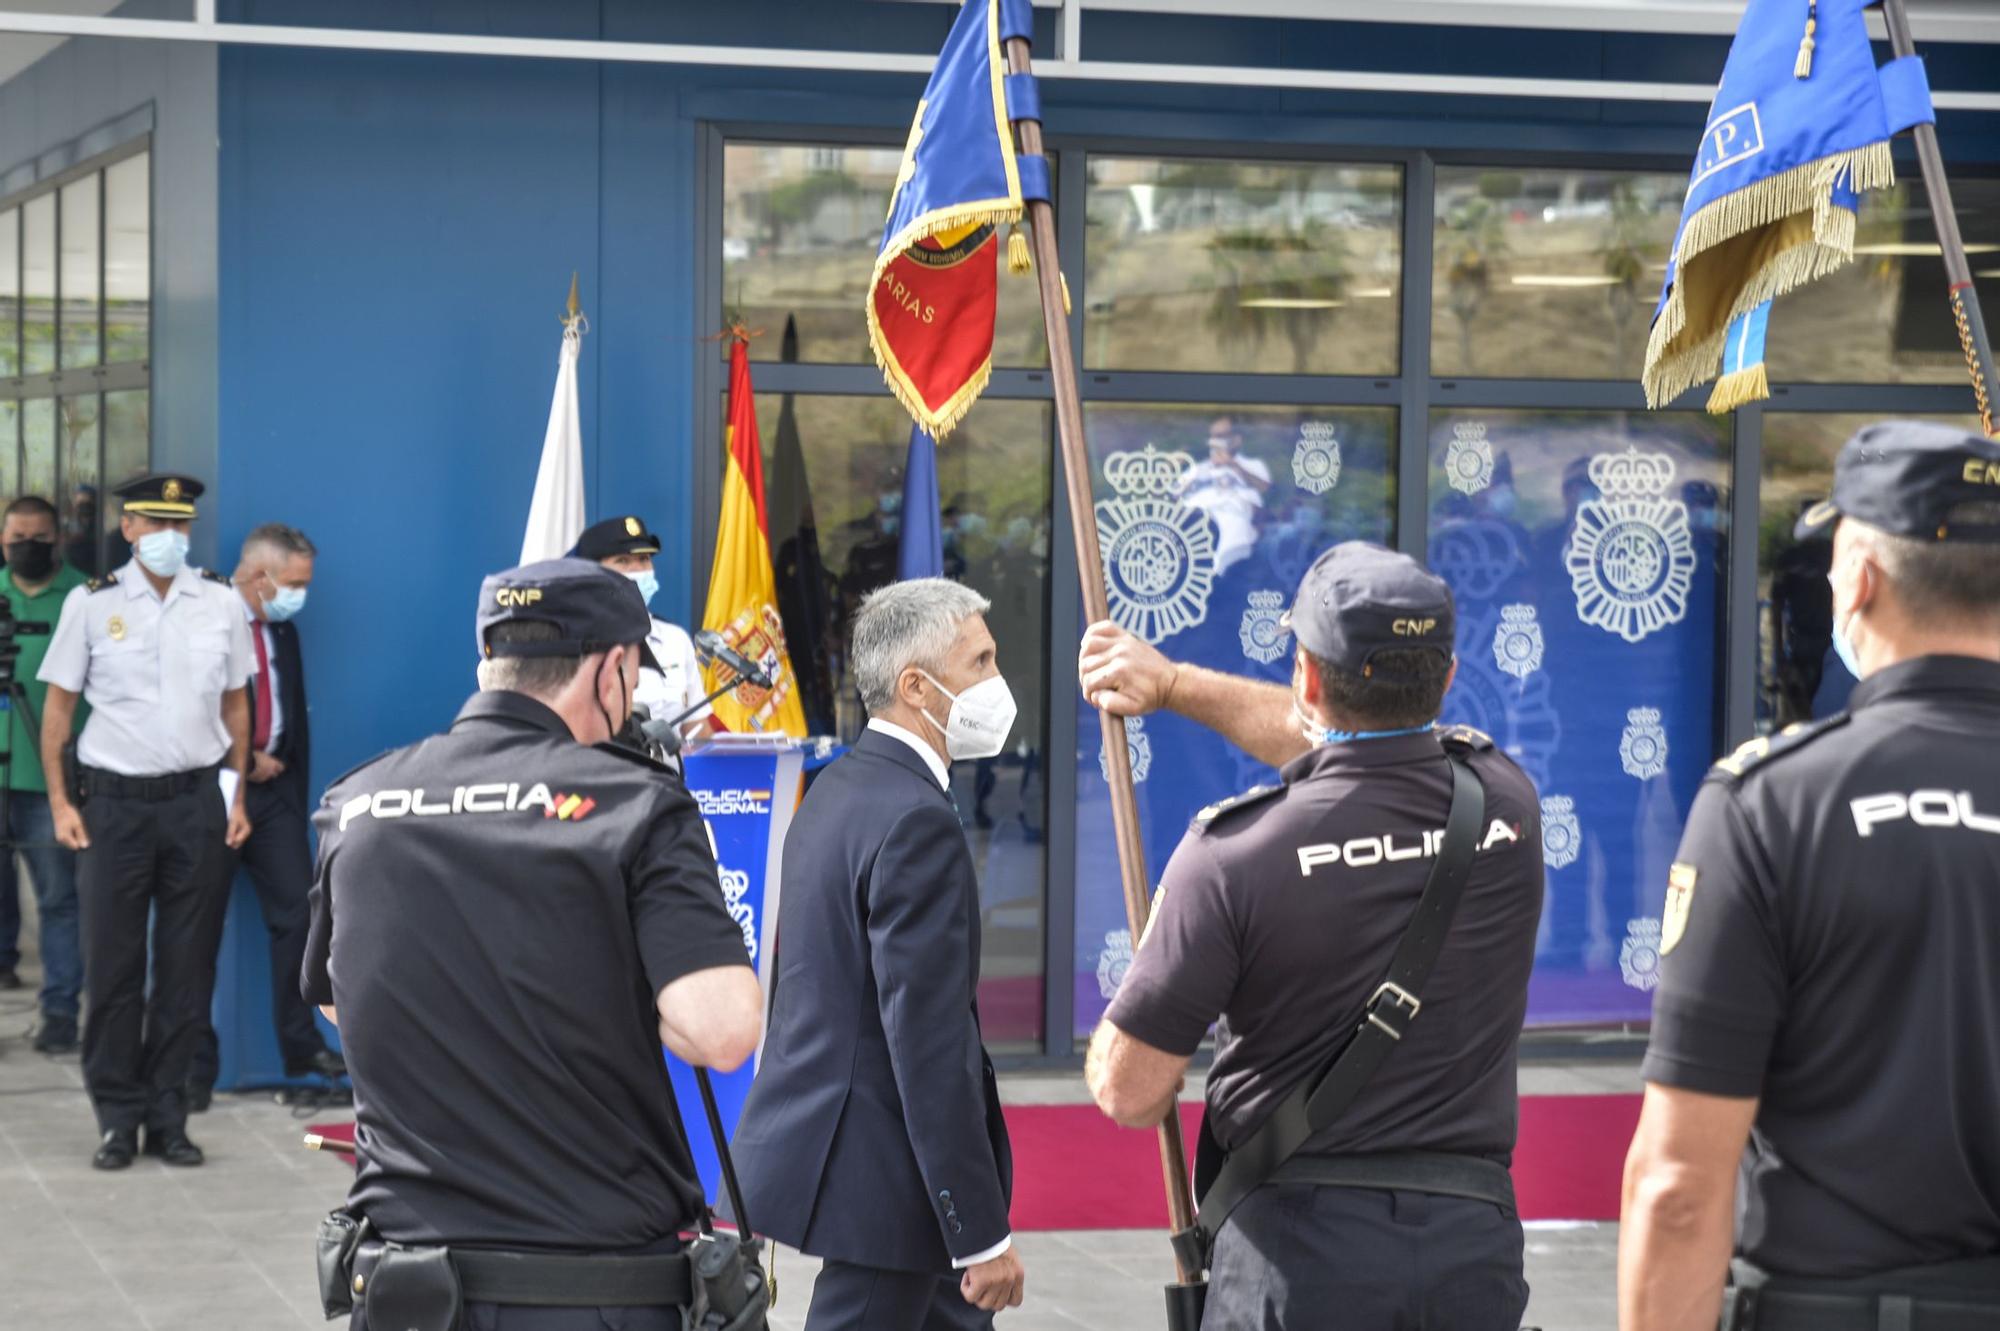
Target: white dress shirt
(942, 771)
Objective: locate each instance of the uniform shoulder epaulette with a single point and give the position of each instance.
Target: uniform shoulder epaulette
(1464, 737)
(1765, 749)
(100, 584)
(213, 576)
(1221, 809)
(632, 755)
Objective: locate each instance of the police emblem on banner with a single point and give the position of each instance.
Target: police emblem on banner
(1137, 744)
(1562, 835)
(1476, 556)
(1643, 749)
(1639, 956)
(735, 887)
(1468, 461)
(1631, 556)
(1263, 637)
(1113, 962)
(1159, 554)
(1316, 459)
(1517, 641)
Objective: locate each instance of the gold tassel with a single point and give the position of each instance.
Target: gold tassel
(1018, 261)
(1065, 287)
(1749, 384)
(1803, 69)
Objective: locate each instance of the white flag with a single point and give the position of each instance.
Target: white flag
(555, 517)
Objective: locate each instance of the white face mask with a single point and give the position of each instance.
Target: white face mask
(980, 718)
(163, 552)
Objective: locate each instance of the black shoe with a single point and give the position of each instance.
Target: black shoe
(198, 1097)
(56, 1036)
(173, 1147)
(116, 1150)
(9, 979)
(325, 1064)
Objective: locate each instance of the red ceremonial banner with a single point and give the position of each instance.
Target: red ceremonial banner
(934, 309)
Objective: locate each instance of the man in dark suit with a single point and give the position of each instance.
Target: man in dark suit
(872, 1137)
(272, 577)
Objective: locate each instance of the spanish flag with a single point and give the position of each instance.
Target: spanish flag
(742, 591)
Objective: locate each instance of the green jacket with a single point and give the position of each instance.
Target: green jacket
(43, 608)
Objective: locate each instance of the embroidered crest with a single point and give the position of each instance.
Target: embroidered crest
(1639, 956)
(1643, 750)
(1139, 746)
(1631, 556)
(631, 526)
(736, 886)
(1159, 554)
(1517, 641)
(1113, 961)
(1680, 900)
(170, 491)
(760, 635)
(1468, 462)
(114, 628)
(1263, 636)
(1562, 835)
(1316, 458)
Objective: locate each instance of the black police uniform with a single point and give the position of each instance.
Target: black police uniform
(1832, 947)
(495, 910)
(1279, 912)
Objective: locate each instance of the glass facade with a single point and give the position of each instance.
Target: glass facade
(1254, 346)
(75, 335)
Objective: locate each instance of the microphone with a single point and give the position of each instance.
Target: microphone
(709, 645)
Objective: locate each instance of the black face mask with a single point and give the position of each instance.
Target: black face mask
(33, 560)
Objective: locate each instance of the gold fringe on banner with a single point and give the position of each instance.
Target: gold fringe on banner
(1019, 262)
(1766, 240)
(1740, 387)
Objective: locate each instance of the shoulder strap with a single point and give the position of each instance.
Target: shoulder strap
(1222, 1181)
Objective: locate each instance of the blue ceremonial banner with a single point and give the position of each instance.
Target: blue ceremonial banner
(921, 553)
(1799, 129)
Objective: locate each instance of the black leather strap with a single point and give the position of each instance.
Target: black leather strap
(547, 1280)
(1223, 1181)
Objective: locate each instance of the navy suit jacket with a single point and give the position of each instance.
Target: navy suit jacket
(873, 1132)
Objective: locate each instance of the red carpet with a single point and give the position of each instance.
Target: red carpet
(1075, 1169)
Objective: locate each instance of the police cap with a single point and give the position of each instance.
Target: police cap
(1359, 599)
(1914, 478)
(160, 495)
(591, 608)
(616, 536)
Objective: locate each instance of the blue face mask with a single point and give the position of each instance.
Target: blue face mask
(1844, 649)
(288, 602)
(649, 584)
(162, 553)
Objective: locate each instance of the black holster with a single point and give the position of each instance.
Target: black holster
(339, 1234)
(729, 1289)
(408, 1289)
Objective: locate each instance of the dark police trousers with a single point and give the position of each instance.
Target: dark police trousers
(1945, 1296)
(1307, 1257)
(163, 858)
(280, 863)
(847, 1297)
(515, 1317)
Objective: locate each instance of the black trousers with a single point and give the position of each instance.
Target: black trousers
(1299, 1257)
(515, 1317)
(279, 858)
(163, 859)
(847, 1297)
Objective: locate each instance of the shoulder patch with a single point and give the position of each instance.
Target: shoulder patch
(1464, 737)
(1214, 813)
(1761, 751)
(100, 584)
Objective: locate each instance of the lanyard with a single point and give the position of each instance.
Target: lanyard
(1347, 736)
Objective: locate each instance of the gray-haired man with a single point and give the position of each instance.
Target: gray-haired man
(872, 1137)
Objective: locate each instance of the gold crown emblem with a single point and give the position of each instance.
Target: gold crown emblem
(1145, 472)
(171, 491)
(632, 527)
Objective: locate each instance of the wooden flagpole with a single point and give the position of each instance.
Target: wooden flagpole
(1090, 571)
(1964, 296)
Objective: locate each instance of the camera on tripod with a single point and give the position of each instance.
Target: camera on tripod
(11, 632)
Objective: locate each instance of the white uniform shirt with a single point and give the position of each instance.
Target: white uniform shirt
(679, 684)
(1219, 490)
(153, 669)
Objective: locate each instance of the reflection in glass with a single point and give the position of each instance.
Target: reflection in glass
(1885, 317)
(1259, 267)
(1548, 274)
(38, 447)
(128, 278)
(127, 450)
(38, 285)
(10, 293)
(800, 227)
(1208, 516)
(833, 470)
(10, 448)
(80, 277)
(79, 478)
(1799, 678)
(1588, 556)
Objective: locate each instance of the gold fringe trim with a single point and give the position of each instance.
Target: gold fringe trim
(1732, 390)
(1019, 262)
(1672, 369)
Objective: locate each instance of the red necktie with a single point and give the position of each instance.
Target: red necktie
(260, 733)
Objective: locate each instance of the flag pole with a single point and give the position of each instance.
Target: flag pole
(1090, 571)
(1972, 338)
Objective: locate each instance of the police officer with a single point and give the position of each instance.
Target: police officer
(624, 545)
(1280, 913)
(509, 919)
(1830, 994)
(161, 652)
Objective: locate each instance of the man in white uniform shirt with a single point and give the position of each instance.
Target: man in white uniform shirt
(1229, 487)
(624, 545)
(162, 653)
